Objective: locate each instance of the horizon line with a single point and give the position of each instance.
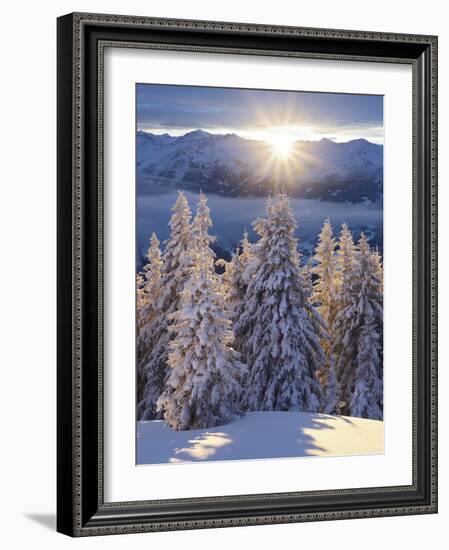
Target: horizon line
(332, 140)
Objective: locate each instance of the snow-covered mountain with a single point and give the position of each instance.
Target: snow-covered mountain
(232, 166)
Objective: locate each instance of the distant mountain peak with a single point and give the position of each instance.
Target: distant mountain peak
(231, 165)
(361, 141)
(198, 133)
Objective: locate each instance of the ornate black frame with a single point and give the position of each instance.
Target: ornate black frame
(81, 508)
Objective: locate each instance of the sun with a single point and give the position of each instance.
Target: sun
(281, 144)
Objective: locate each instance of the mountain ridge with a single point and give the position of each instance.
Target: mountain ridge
(231, 165)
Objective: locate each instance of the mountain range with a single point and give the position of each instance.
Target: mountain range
(229, 165)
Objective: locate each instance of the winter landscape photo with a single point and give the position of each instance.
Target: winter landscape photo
(259, 274)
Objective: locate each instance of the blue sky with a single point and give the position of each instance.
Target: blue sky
(259, 114)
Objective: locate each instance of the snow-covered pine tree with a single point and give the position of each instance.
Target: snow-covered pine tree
(325, 298)
(140, 299)
(140, 304)
(325, 268)
(331, 390)
(200, 232)
(175, 270)
(234, 284)
(203, 386)
(367, 395)
(228, 287)
(345, 264)
(330, 385)
(357, 338)
(245, 250)
(241, 276)
(377, 267)
(282, 347)
(148, 289)
(342, 350)
(378, 272)
(149, 284)
(234, 278)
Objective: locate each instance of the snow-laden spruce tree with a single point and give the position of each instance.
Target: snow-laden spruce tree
(325, 268)
(234, 280)
(148, 289)
(377, 267)
(342, 349)
(149, 284)
(367, 395)
(203, 386)
(281, 345)
(325, 298)
(229, 286)
(234, 283)
(357, 363)
(330, 384)
(245, 250)
(200, 232)
(331, 390)
(140, 299)
(345, 264)
(175, 271)
(241, 276)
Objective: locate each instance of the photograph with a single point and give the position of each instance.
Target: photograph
(259, 274)
(247, 278)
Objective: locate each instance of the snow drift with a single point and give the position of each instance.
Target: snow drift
(261, 435)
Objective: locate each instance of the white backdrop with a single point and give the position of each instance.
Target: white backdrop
(27, 289)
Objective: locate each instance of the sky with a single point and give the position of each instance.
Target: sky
(267, 115)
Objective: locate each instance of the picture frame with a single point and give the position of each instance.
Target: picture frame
(81, 506)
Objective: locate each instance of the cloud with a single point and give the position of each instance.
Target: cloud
(251, 112)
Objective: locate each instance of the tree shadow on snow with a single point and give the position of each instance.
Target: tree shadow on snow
(202, 447)
(257, 435)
